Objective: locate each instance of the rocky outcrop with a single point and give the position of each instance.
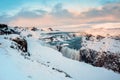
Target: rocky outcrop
(22, 44)
(88, 55)
(50, 29)
(88, 36)
(101, 59)
(4, 29)
(3, 26)
(99, 37)
(34, 29)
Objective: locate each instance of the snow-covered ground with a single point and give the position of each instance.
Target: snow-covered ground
(44, 63)
(105, 44)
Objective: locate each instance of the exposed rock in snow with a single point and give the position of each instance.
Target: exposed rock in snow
(3, 26)
(22, 44)
(101, 59)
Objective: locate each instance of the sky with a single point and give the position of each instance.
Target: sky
(58, 12)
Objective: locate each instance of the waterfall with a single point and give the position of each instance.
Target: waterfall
(70, 53)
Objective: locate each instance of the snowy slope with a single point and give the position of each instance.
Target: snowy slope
(45, 64)
(105, 44)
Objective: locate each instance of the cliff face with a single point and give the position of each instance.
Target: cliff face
(101, 59)
(101, 51)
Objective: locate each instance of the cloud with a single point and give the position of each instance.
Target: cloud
(31, 13)
(25, 16)
(59, 12)
(5, 18)
(58, 15)
(109, 9)
(109, 12)
(108, 1)
(107, 25)
(25, 13)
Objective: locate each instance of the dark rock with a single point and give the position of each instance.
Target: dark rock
(50, 29)
(34, 29)
(66, 75)
(3, 26)
(22, 44)
(101, 59)
(99, 37)
(88, 36)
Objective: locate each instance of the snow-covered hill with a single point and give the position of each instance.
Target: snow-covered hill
(101, 43)
(25, 56)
